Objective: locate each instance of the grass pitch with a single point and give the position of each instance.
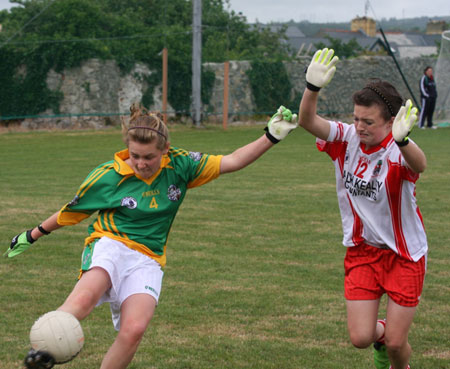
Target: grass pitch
(255, 263)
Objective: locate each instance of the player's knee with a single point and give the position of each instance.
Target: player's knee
(394, 344)
(132, 331)
(360, 340)
(80, 304)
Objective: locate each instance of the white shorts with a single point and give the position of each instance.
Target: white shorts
(130, 272)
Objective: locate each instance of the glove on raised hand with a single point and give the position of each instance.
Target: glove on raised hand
(321, 69)
(281, 124)
(19, 244)
(404, 123)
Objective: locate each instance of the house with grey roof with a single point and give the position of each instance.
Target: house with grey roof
(403, 45)
(412, 45)
(308, 45)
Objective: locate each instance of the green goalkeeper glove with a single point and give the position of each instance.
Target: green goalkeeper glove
(321, 69)
(281, 124)
(19, 244)
(404, 123)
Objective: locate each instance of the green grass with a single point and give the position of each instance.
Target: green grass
(255, 263)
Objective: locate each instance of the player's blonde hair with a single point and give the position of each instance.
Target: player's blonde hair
(144, 127)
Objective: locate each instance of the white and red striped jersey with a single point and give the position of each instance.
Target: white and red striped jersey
(376, 193)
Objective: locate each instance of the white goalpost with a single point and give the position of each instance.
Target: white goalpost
(442, 78)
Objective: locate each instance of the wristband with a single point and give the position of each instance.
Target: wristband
(30, 238)
(311, 87)
(403, 143)
(42, 230)
(270, 137)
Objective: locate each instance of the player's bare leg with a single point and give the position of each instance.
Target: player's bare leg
(135, 315)
(362, 322)
(79, 303)
(398, 322)
(86, 293)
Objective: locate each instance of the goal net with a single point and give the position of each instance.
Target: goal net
(442, 78)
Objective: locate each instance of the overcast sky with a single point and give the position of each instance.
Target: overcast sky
(322, 11)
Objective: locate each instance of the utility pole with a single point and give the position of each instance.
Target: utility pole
(164, 84)
(389, 50)
(196, 60)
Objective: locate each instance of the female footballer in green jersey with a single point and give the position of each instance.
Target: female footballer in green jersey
(136, 197)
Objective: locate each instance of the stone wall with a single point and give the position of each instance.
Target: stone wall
(95, 95)
(335, 99)
(99, 86)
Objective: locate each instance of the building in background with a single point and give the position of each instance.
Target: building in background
(412, 45)
(364, 31)
(364, 24)
(436, 27)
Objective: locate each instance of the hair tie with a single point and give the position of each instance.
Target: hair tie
(386, 101)
(151, 129)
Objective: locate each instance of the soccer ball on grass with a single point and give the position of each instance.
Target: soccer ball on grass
(59, 334)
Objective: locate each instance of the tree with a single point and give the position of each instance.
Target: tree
(62, 34)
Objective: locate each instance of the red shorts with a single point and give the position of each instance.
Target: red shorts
(370, 272)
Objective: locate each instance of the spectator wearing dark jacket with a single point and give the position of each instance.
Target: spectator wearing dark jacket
(428, 96)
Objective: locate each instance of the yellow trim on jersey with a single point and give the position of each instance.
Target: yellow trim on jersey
(119, 163)
(161, 259)
(178, 152)
(208, 170)
(94, 177)
(124, 169)
(70, 217)
(111, 231)
(124, 179)
(164, 161)
(105, 220)
(113, 225)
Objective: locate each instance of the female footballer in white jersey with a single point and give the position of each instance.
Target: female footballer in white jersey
(137, 196)
(376, 167)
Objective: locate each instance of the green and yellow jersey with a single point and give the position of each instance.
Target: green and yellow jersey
(138, 212)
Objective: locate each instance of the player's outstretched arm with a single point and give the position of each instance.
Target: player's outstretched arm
(318, 74)
(24, 240)
(278, 127)
(401, 128)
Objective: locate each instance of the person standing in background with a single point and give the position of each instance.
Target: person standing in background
(428, 95)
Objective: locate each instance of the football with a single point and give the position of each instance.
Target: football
(58, 333)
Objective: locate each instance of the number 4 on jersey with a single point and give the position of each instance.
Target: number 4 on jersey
(153, 203)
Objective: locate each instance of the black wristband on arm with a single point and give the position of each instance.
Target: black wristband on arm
(311, 87)
(270, 137)
(30, 239)
(42, 230)
(403, 143)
